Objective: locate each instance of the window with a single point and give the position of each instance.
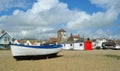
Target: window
(80, 44)
(5, 40)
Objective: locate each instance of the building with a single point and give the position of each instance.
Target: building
(62, 35)
(53, 40)
(15, 42)
(27, 42)
(62, 38)
(5, 39)
(73, 37)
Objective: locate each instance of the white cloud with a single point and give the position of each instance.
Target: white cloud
(6, 4)
(109, 4)
(43, 5)
(39, 21)
(98, 19)
(87, 23)
(40, 18)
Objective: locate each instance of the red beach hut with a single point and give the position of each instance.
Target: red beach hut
(88, 44)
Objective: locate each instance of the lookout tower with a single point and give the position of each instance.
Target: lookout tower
(62, 35)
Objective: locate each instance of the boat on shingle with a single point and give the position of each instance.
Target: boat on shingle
(20, 50)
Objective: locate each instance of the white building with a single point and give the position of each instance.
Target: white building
(28, 43)
(15, 42)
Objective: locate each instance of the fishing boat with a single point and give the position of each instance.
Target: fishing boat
(117, 47)
(20, 50)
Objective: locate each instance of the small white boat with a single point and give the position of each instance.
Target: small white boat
(117, 47)
(19, 50)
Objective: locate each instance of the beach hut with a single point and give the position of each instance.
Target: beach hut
(5, 39)
(68, 45)
(88, 44)
(79, 44)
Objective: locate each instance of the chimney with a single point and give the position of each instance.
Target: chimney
(3, 31)
(79, 35)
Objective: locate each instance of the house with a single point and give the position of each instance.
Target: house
(53, 40)
(5, 39)
(73, 37)
(34, 43)
(27, 42)
(15, 42)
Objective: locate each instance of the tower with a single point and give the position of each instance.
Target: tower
(62, 35)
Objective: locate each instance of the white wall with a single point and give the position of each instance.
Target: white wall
(67, 46)
(75, 46)
(79, 46)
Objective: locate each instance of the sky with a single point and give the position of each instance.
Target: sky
(41, 19)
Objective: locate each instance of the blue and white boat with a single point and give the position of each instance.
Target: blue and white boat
(19, 50)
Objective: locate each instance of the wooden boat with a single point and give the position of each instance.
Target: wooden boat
(19, 50)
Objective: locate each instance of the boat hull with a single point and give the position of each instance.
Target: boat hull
(22, 51)
(35, 57)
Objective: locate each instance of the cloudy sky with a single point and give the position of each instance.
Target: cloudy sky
(43, 18)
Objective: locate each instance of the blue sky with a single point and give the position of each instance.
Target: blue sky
(84, 5)
(42, 18)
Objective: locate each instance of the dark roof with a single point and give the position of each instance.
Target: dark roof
(4, 34)
(109, 43)
(61, 30)
(80, 40)
(68, 42)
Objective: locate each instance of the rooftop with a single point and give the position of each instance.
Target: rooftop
(61, 30)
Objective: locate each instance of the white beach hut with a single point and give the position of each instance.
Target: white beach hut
(79, 44)
(68, 45)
